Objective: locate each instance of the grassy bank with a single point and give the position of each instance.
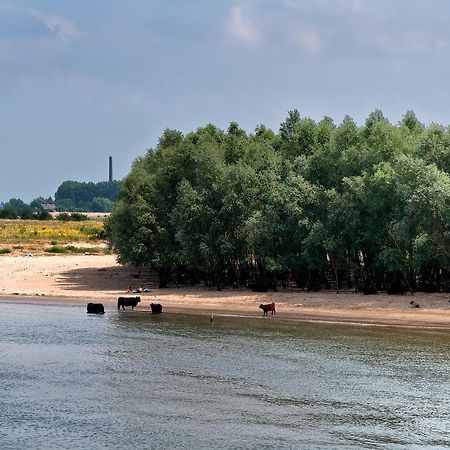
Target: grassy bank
(52, 236)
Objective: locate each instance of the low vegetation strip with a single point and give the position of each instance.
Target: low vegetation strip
(25, 230)
(51, 236)
(72, 249)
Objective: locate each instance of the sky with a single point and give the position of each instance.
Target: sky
(84, 80)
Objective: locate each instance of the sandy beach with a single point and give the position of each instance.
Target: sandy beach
(78, 279)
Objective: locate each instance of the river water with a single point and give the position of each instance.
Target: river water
(130, 380)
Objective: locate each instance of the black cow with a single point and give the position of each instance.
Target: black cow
(156, 308)
(127, 301)
(95, 308)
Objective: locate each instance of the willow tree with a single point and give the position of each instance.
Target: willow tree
(368, 203)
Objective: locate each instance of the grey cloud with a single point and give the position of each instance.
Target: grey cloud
(242, 27)
(62, 27)
(411, 41)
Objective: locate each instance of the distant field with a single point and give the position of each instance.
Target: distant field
(91, 215)
(52, 236)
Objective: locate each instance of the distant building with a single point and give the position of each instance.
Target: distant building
(49, 207)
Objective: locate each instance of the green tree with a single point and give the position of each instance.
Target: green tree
(424, 213)
(39, 201)
(78, 196)
(410, 122)
(368, 204)
(101, 204)
(434, 147)
(8, 212)
(22, 210)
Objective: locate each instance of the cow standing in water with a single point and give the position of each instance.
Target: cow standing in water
(95, 308)
(266, 308)
(127, 301)
(156, 308)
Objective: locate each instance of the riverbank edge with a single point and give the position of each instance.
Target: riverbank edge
(373, 317)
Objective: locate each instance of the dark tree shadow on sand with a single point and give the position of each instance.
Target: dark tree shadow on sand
(105, 279)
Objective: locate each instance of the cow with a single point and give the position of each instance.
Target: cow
(95, 308)
(156, 308)
(127, 301)
(267, 308)
(370, 290)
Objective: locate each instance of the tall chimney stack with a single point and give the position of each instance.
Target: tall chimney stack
(110, 169)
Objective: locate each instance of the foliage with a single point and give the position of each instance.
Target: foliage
(8, 212)
(39, 201)
(101, 204)
(71, 249)
(80, 196)
(76, 217)
(315, 202)
(33, 231)
(16, 208)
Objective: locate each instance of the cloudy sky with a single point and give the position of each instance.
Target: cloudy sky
(82, 80)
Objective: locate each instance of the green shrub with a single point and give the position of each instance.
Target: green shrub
(75, 216)
(94, 231)
(4, 251)
(44, 215)
(72, 249)
(57, 249)
(63, 216)
(8, 212)
(78, 217)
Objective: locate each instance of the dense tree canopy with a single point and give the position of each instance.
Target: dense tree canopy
(318, 204)
(80, 196)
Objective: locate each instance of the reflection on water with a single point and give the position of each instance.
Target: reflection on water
(132, 380)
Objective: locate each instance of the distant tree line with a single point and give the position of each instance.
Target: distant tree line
(70, 196)
(80, 196)
(15, 208)
(316, 205)
(18, 209)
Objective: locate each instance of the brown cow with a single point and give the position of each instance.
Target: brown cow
(267, 308)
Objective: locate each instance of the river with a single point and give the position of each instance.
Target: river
(131, 380)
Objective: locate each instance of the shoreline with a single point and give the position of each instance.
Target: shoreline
(437, 320)
(80, 279)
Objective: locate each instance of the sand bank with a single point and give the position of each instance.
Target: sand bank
(81, 278)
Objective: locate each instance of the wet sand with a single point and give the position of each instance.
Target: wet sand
(78, 279)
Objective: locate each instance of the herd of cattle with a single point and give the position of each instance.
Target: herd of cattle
(124, 302)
